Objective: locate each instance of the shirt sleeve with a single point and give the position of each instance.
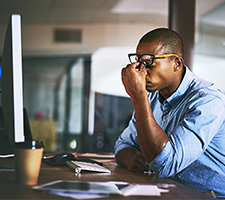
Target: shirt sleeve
(128, 138)
(201, 121)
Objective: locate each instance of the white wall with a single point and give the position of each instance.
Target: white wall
(38, 39)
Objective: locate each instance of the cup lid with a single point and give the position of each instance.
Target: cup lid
(29, 145)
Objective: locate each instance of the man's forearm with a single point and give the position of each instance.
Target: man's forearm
(131, 159)
(124, 156)
(151, 137)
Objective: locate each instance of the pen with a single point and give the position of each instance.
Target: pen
(148, 172)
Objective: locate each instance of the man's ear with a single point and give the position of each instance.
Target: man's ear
(178, 64)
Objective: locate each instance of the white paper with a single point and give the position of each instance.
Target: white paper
(142, 190)
(79, 195)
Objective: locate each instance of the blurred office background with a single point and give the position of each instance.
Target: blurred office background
(73, 52)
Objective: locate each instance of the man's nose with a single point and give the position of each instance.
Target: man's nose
(140, 60)
(141, 64)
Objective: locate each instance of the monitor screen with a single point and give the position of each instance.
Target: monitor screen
(12, 85)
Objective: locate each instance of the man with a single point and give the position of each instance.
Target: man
(178, 126)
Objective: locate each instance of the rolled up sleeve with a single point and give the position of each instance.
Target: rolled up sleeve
(190, 139)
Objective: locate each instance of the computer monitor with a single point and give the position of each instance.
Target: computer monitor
(12, 112)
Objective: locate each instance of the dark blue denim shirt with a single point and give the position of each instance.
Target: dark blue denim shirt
(193, 117)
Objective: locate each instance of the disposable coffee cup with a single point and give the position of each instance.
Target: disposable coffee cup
(28, 156)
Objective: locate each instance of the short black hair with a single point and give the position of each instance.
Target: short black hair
(170, 39)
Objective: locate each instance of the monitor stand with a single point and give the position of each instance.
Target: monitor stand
(5, 144)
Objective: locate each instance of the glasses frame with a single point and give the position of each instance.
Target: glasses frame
(153, 57)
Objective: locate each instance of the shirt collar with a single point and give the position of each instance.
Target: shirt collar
(186, 83)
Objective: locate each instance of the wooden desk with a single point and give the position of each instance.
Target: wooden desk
(10, 190)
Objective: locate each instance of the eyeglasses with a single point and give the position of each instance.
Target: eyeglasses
(147, 59)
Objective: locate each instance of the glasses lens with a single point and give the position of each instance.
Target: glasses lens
(133, 58)
(147, 59)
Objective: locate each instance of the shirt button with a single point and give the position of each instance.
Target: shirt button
(164, 117)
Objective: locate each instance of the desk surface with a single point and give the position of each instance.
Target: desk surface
(10, 190)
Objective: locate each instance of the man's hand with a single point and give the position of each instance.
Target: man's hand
(134, 80)
(131, 159)
(151, 136)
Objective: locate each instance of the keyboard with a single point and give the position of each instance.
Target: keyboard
(79, 166)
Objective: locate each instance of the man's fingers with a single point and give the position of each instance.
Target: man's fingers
(123, 71)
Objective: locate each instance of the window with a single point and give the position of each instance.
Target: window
(209, 57)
